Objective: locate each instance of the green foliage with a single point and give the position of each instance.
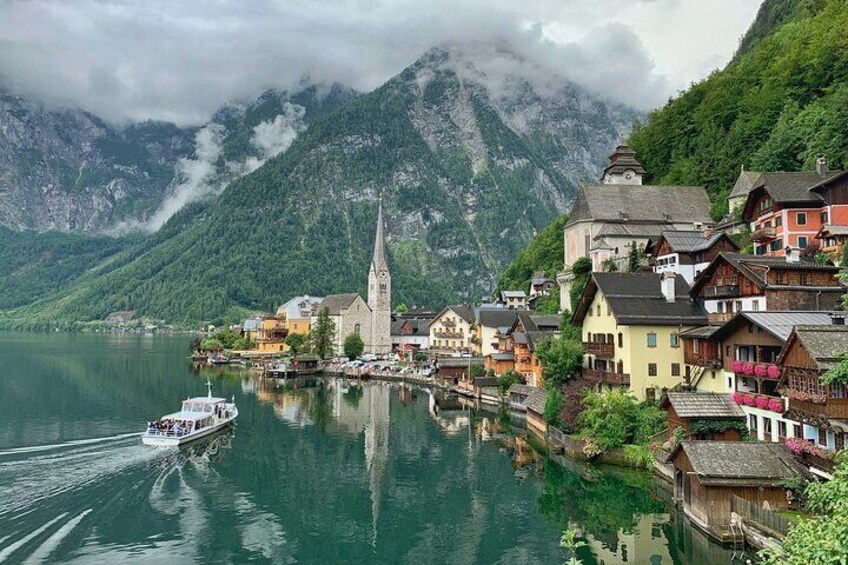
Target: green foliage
(570, 541)
(401, 308)
(477, 370)
(561, 360)
(609, 265)
(697, 427)
(634, 259)
(353, 346)
(420, 357)
(582, 270)
(296, 343)
(780, 103)
(548, 304)
(838, 374)
(322, 334)
(639, 455)
(613, 419)
(545, 253)
(224, 338)
(823, 538)
(508, 379)
(553, 404)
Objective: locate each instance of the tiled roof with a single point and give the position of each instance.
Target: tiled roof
(777, 323)
(794, 187)
(618, 229)
(420, 326)
(519, 388)
(496, 317)
(335, 303)
(704, 405)
(690, 241)
(536, 401)
(732, 463)
(637, 299)
(536, 338)
(459, 361)
(545, 321)
(703, 332)
(486, 381)
(462, 310)
(746, 181)
(641, 203)
(825, 344)
(830, 229)
(514, 294)
(506, 356)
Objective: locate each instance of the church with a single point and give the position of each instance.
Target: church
(372, 320)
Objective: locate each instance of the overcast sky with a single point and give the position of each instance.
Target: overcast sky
(180, 60)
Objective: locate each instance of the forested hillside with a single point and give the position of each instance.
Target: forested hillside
(781, 102)
(544, 253)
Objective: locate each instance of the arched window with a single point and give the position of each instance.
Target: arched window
(357, 328)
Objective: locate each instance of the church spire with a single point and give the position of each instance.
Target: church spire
(378, 262)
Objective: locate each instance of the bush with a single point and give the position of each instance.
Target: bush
(615, 418)
(353, 346)
(553, 403)
(561, 360)
(508, 379)
(477, 370)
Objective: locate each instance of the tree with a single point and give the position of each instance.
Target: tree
(401, 308)
(477, 370)
(508, 379)
(616, 418)
(353, 346)
(634, 259)
(561, 359)
(322, 335)
(296, 343)
(553, 404)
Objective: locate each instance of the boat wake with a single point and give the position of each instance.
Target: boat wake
(51, 447)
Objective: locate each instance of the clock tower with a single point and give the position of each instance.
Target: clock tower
(623, 167)
(380, 292)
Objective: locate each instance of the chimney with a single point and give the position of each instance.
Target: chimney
(793, 254)
(698, 226)
(821, 166)
(708, 232)
(667, 285)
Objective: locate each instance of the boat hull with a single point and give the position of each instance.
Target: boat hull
(157, 440)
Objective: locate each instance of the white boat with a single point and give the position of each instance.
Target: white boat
(198, 417)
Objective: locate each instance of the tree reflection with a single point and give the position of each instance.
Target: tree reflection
(320, 409)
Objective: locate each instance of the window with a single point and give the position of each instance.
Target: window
(755, 305)
(802, 242)
(801, 218)
(652, 369)
(620, 340)
(675, 369)
(674, 340)
(721, 307)
(752, 422)
(696, 345)
(356, 329)
(777, 245)
(760, 250)
(738, 305)
(599, 310)
(824, 217)
(652, 339)
(781, 429)
(778, 221)
(803, 278)
(822, 437)
(767, 427)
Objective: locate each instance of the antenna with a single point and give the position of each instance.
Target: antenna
(209, 387)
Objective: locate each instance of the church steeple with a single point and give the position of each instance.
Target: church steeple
(378, 262)
(380, 292)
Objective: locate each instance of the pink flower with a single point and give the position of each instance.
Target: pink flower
(738, 398)
(795, 446)
(773, 371)
(749, 400)
(736, 366)
(760, 370)
(747, 368)
(775, 405)
(761, 402)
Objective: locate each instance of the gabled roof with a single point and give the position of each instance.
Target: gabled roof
(704, 405)
(462, 310)
(777, 323)
(830, 230)
(513, 294)
(536, 401)
(534, 339)
(300, 307)
(703, 332)
(496, 317)
(746, 181)
(545, 322)
(824, 343)
(539, 281)
(755, 267)
(737, 463)
(789, 188)
(629, 229)
(690, 241)
(419, 326)
(637, 299)
(641, 203)
(505, 356)
(335, 303)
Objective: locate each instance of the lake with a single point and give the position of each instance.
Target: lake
(331, 474)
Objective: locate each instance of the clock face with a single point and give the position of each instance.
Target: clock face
(383, 274)
(628, 175)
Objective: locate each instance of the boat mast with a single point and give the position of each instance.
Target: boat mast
(208, 388)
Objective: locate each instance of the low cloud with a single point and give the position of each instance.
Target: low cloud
(127, 61)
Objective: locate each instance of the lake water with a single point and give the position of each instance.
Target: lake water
(326, 475)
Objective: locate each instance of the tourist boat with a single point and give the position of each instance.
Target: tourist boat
(198, 417)
(218, 359)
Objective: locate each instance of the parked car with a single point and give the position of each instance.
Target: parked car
(369, 357)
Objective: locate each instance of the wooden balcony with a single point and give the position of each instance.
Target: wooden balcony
(764, 234)
(448, 334)
(722, 291)
(831, 408)
(599, 349)
(718, 318)
(821, 463)
(702, 359)
(615, 379)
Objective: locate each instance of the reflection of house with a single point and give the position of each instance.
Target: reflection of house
(687, 252)
(631, 330)
(452, 369)
(452, 329)
(735, 283)
(687, 410)
(350, 314)
(821, 410)
(608, 218)
(635, 544)
(707, 474)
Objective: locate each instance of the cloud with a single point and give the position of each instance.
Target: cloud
(126, 60)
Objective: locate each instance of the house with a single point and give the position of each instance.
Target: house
(631, 330)
(540, 285)
(271, 336)
(515, 299)
(350, 314)
(452, 330)
(687, 252)
(297, 313)
(608, 218)
(734, 283)
(451, 370)
(250, 328)
(527, 363)
(517, 346)
(708, 474)
(482, 387)
(788, 209)
(702, 415)
(410, 335)
(820, 410)
(831, 238)
(489, 323)
(535, 407)
(518, 394)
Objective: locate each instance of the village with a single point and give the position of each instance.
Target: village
(741, 353)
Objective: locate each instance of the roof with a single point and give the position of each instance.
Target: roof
(459, 361)
(641, 203)
(506, 356)
(790, 187)
(496, 317)
(703, 332)
(692, 241)
(825, 344)
(545, 321)
(335, 303)
(536, 401)
(462, 310)
(536, 338)
(300, 307)
(420, 326)
(738, 463)
(539, 281)
(756, 267)
(378, 261)
(832, 230)
(622, 159)
(519, 388)
(637, 299)
(513, 294)
(704, 405)
(252, 324)
(777, 323)
(746, 181)
(486, 381)
(619, 229)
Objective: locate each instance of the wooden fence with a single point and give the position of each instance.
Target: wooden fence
(759, 516)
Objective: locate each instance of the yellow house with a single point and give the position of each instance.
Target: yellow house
(297, 314)
(453, 330)
(631, 330)
(272, 334)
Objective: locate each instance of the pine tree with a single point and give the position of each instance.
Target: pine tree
(634, 259)
(322, 334)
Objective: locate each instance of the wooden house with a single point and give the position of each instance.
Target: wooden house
(452, 369)
(535, 404)
(687, 252)
(708, 474)
(518, 394)
(704, 415)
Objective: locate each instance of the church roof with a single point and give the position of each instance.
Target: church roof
(746, 181)
(622, 160)
(335, 303)
(378, 261)
(642, 203)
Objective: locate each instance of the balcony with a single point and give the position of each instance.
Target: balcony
(764, 234)
(702, 360)
(444, 334)
(722, 291)
(615, 379)
(599, 349)
(718, 318)
(823, 464)
(836, 408)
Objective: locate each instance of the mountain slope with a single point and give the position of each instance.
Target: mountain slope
(462, 190)
(781, 102)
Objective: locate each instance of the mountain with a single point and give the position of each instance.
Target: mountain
(469, 162)
(780, 102)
